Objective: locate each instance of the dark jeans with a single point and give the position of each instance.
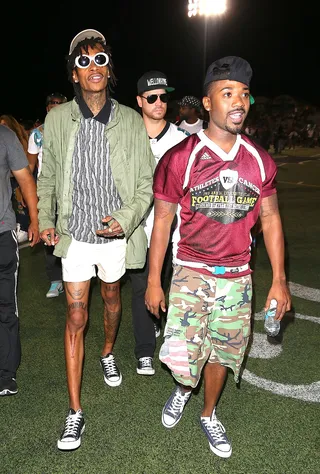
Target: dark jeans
(53, 264)
(10, 349)
(142, 319)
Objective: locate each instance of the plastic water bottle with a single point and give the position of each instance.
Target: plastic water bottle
(271, 325)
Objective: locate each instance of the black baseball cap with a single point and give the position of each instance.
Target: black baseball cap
(152, 80)
(232, 68)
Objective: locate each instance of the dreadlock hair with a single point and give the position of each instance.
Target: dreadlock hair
(84, 44)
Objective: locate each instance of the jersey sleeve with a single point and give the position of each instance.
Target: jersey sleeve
(269, 185)
(167, 184)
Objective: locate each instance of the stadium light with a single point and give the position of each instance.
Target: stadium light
(206, 8)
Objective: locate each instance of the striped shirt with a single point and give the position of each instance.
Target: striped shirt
(95, 195)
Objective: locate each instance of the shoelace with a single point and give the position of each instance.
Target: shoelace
(72, 425)
(109, 366)
(177, 403)
(146, 361)
(216, 430)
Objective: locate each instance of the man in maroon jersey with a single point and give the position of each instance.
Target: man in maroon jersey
(219, 183)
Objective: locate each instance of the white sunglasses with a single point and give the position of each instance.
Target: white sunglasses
(99, 59)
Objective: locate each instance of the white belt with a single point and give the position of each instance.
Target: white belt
(217, 270)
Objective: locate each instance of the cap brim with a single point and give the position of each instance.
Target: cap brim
(170, 89)
(83, 35)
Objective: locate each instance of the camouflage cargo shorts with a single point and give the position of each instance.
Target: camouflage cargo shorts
(209, 319)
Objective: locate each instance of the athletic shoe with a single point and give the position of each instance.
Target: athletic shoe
(8, 386)
(111, 373)
(22, 235)
(216, 435)
(157, 329)
(55, 289)
(173, 409)
(145, 366)
(74, 427)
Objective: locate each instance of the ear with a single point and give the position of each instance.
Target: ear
(206, 103)
(139, 100)
(75, 77)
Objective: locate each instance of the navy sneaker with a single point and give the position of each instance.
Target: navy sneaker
(216, 435)
(173, 409)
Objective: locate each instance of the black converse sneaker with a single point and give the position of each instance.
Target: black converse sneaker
(74, 427)
(111, 373)
(216, 435)
(145, 366)
(173, 409)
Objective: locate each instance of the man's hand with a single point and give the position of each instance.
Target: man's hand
(33, 233)
(154, 298)
(112, 228)
(49, 237)
(280, 292)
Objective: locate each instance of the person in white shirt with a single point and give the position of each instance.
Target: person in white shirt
(53, 263)
(190, 111)
(153, 95)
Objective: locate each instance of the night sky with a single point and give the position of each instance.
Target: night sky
(279, 40)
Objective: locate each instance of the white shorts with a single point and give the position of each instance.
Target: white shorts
(83, 258)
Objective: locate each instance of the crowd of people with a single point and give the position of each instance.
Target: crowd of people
(280, 131)
(110, 191)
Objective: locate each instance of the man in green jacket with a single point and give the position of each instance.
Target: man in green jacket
(98, 168)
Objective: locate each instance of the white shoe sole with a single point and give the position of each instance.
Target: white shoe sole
(221, 454)
(50, 295)
(70, 445)
(111, 383)
(145, 371)
(8, 392)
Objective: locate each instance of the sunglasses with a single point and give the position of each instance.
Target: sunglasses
(54, 102)
(99, 59)
(151, 99)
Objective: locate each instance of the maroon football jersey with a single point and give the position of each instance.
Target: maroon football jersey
(218, 196)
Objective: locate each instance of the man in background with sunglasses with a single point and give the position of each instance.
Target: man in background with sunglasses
(98, 167)
(153, 96)
(53, 263)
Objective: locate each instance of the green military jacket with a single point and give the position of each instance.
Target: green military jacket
(132, 164)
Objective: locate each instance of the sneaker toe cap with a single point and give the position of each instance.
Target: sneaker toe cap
(168, 420)
(224, 447)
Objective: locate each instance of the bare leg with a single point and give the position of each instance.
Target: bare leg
(214, 377)
(110, 293)
(77, 316)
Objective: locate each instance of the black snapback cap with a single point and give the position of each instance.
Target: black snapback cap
(232, 68)
(152, 80)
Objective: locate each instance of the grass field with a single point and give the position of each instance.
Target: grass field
(271, 433)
